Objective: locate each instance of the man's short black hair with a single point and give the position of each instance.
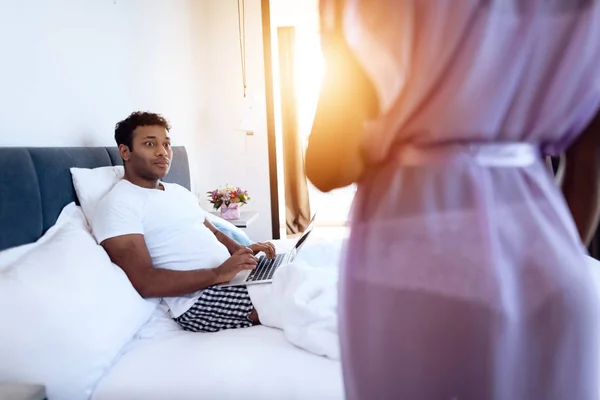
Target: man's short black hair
(124, 129)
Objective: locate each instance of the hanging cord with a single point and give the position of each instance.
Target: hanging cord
(242, 34)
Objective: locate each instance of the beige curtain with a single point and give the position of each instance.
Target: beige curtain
(297, 207)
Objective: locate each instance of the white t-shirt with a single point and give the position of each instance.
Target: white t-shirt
(172, 223)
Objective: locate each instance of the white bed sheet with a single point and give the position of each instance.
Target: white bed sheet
(253, 363)
(165, 362)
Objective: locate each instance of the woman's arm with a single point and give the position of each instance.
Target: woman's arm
(581, 180)
(347, 100)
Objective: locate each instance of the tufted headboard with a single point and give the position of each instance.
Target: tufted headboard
(35, 185)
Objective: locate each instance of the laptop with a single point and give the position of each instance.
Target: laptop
(263, 273)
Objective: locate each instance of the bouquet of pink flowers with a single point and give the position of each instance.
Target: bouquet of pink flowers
(228, 196)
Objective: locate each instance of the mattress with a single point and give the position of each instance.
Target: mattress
(165, 362)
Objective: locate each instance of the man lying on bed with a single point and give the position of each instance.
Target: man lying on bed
(157, 233)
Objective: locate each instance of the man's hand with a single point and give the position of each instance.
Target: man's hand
(239, 261)
(265, 247)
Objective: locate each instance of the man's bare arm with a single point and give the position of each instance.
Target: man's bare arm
(581, 180)
(232, 245)
(131, 254)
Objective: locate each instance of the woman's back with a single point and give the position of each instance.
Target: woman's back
(463, 259)
(478, 70)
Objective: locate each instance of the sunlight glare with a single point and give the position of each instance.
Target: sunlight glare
(308, 68)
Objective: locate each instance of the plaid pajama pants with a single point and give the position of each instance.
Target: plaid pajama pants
(218, 308)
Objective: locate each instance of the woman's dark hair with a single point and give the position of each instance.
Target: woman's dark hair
(124, 129)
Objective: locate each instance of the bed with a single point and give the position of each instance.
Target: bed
(160, 361)
(156, 360)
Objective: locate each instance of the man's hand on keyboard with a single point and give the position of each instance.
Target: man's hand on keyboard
(239, 261)
(265, 247)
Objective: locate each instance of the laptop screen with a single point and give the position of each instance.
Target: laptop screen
(305, 234)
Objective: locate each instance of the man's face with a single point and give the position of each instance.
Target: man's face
(151, 155)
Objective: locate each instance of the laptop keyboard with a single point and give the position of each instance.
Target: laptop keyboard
(265, 268)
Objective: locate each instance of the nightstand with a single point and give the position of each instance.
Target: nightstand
(21, 391)
(246, 217)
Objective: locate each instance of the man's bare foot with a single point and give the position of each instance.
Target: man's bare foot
(254, 317)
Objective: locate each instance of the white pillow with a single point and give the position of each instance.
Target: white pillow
(10, 256)
(68, 312)
(91, 185)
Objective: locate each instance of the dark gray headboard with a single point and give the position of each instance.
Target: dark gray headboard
(35, 185)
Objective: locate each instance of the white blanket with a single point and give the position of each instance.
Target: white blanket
(302, 300)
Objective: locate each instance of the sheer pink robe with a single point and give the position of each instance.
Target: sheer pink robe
(464, 275)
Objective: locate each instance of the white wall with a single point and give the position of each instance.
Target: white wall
(70, 69)
(224, 150)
